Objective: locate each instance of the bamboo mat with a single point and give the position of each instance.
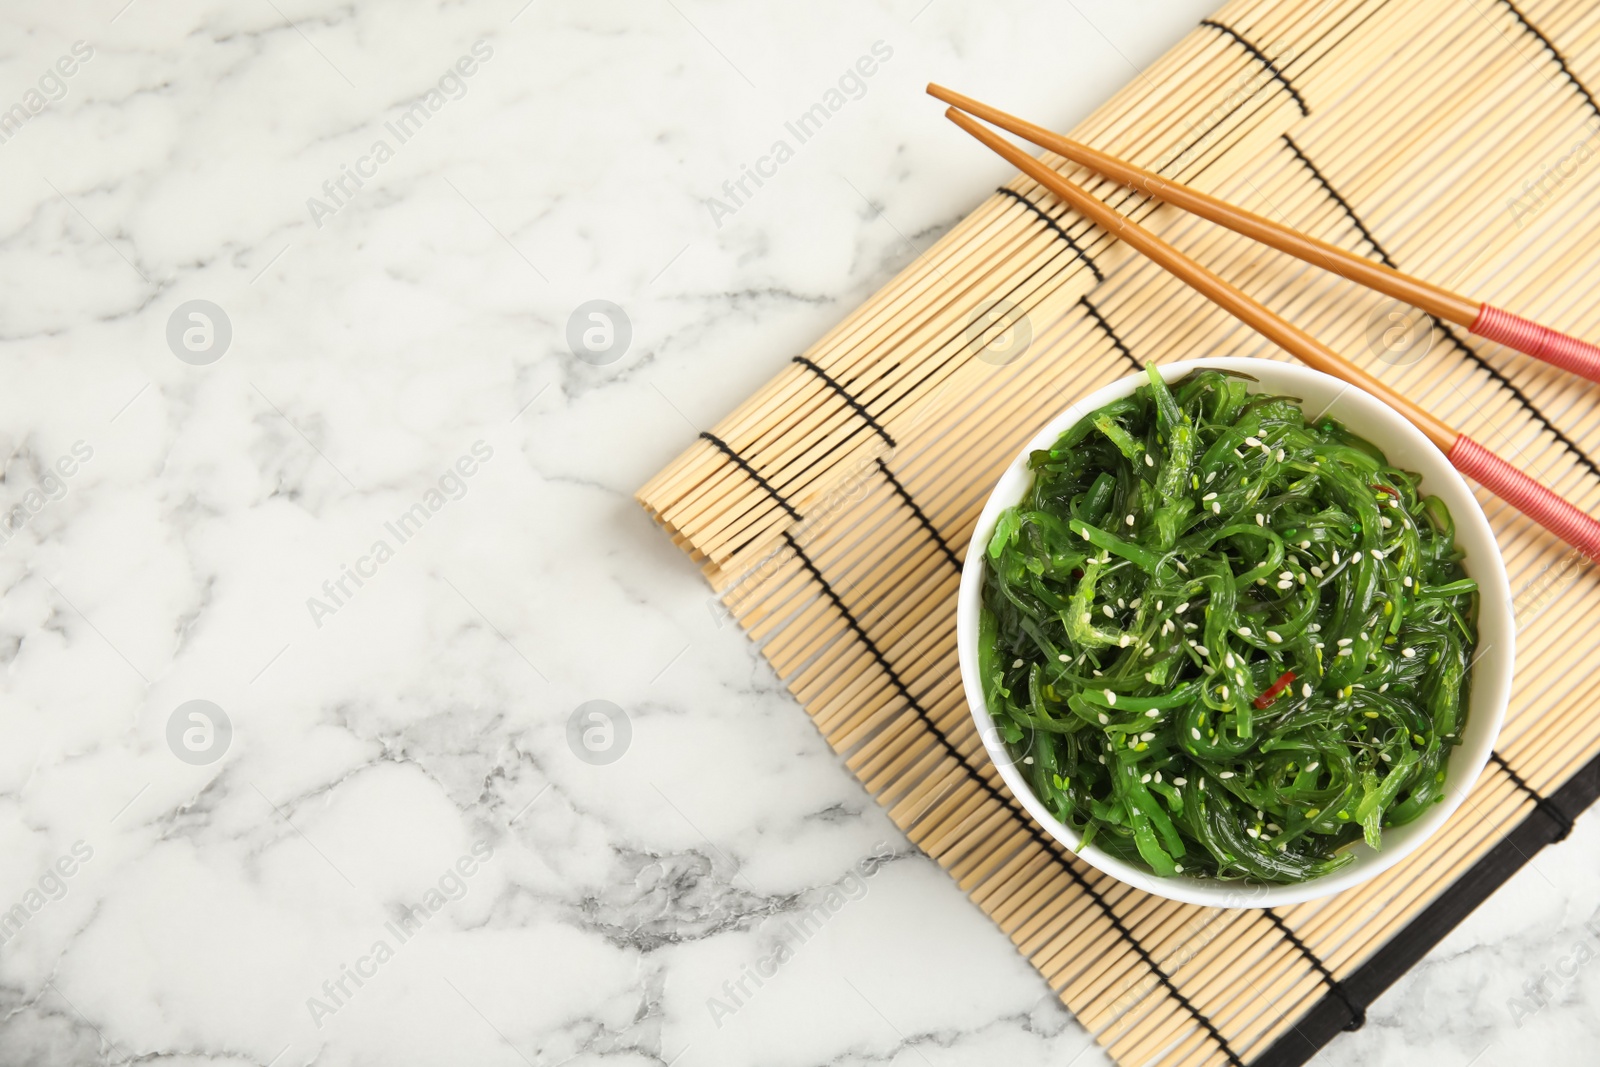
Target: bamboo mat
(1455, 139)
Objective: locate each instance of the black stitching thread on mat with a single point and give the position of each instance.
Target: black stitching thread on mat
(1449, 331)
(922, 516)
(1261, 57)
(1358, 1014)
(744, 465)
(1050, 845)
(1349, 211)
(1561, 60)
(1045, 218)
(1100, 320)
(1540, 801)
(844, 394)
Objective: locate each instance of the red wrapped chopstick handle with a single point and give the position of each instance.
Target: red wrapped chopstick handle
(1543, 506)
(1540, 342)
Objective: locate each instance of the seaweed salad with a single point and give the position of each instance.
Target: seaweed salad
(1221, 641)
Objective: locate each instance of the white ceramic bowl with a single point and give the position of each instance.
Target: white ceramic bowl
(1406, 447)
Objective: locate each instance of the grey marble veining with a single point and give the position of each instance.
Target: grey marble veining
(295, 430)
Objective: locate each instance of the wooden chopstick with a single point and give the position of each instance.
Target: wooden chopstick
(1513, 331)
(1539, 503)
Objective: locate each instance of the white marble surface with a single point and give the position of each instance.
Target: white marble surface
(419, 720)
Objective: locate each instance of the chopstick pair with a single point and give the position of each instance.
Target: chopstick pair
(1534, 500)
(1485, 320)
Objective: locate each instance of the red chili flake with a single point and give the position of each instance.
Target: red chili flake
(1284, 681)
(1385, 489)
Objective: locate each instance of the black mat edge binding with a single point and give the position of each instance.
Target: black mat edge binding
(1331, 1015)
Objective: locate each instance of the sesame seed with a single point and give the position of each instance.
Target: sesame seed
(1344, 652)
(1275, 637)
(1180, 781)
(1261, 520)
(1386, 520)
(1244, 631)
(1286, 585)
(1336, 555)
(1120, 604)
(1064, 657)
(1409, 653)
(1384, 756)
(1202, 649)
(1178, 867)
(1136, 602)
(1301, 578)
(1153, 713)
(1211, 477)
(1305, 544)
(1228, 659)
(1364, 636)
(1111, 698)
(1406, 581)
(1280, 455)
(1016, 663)
(1158, 605)
(1086, 618)
(1028, 760)
(1383, 688)
(1377, 553)
(1103, 719)
(1225, 774)
(1145, 778)
(1129, 520)
(1195, 732)
(1181, 608)
(1313, 765)
(1148, 462)
(1252, 441)
(1238, 453)
(1124, 641)
(1305, 690)
(1315, 628)
(1105, 609)
(1316, 570)
(1097, 674)
(1344, 641)
(1224, 691)
(1355, 557)
(1252, 831)
(1216, 508)
(1286, 574)
(1148, 736)
(1102, 759)
(1209, 496)
(1181, 567)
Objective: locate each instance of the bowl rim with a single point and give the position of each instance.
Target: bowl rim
(1492, 669)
